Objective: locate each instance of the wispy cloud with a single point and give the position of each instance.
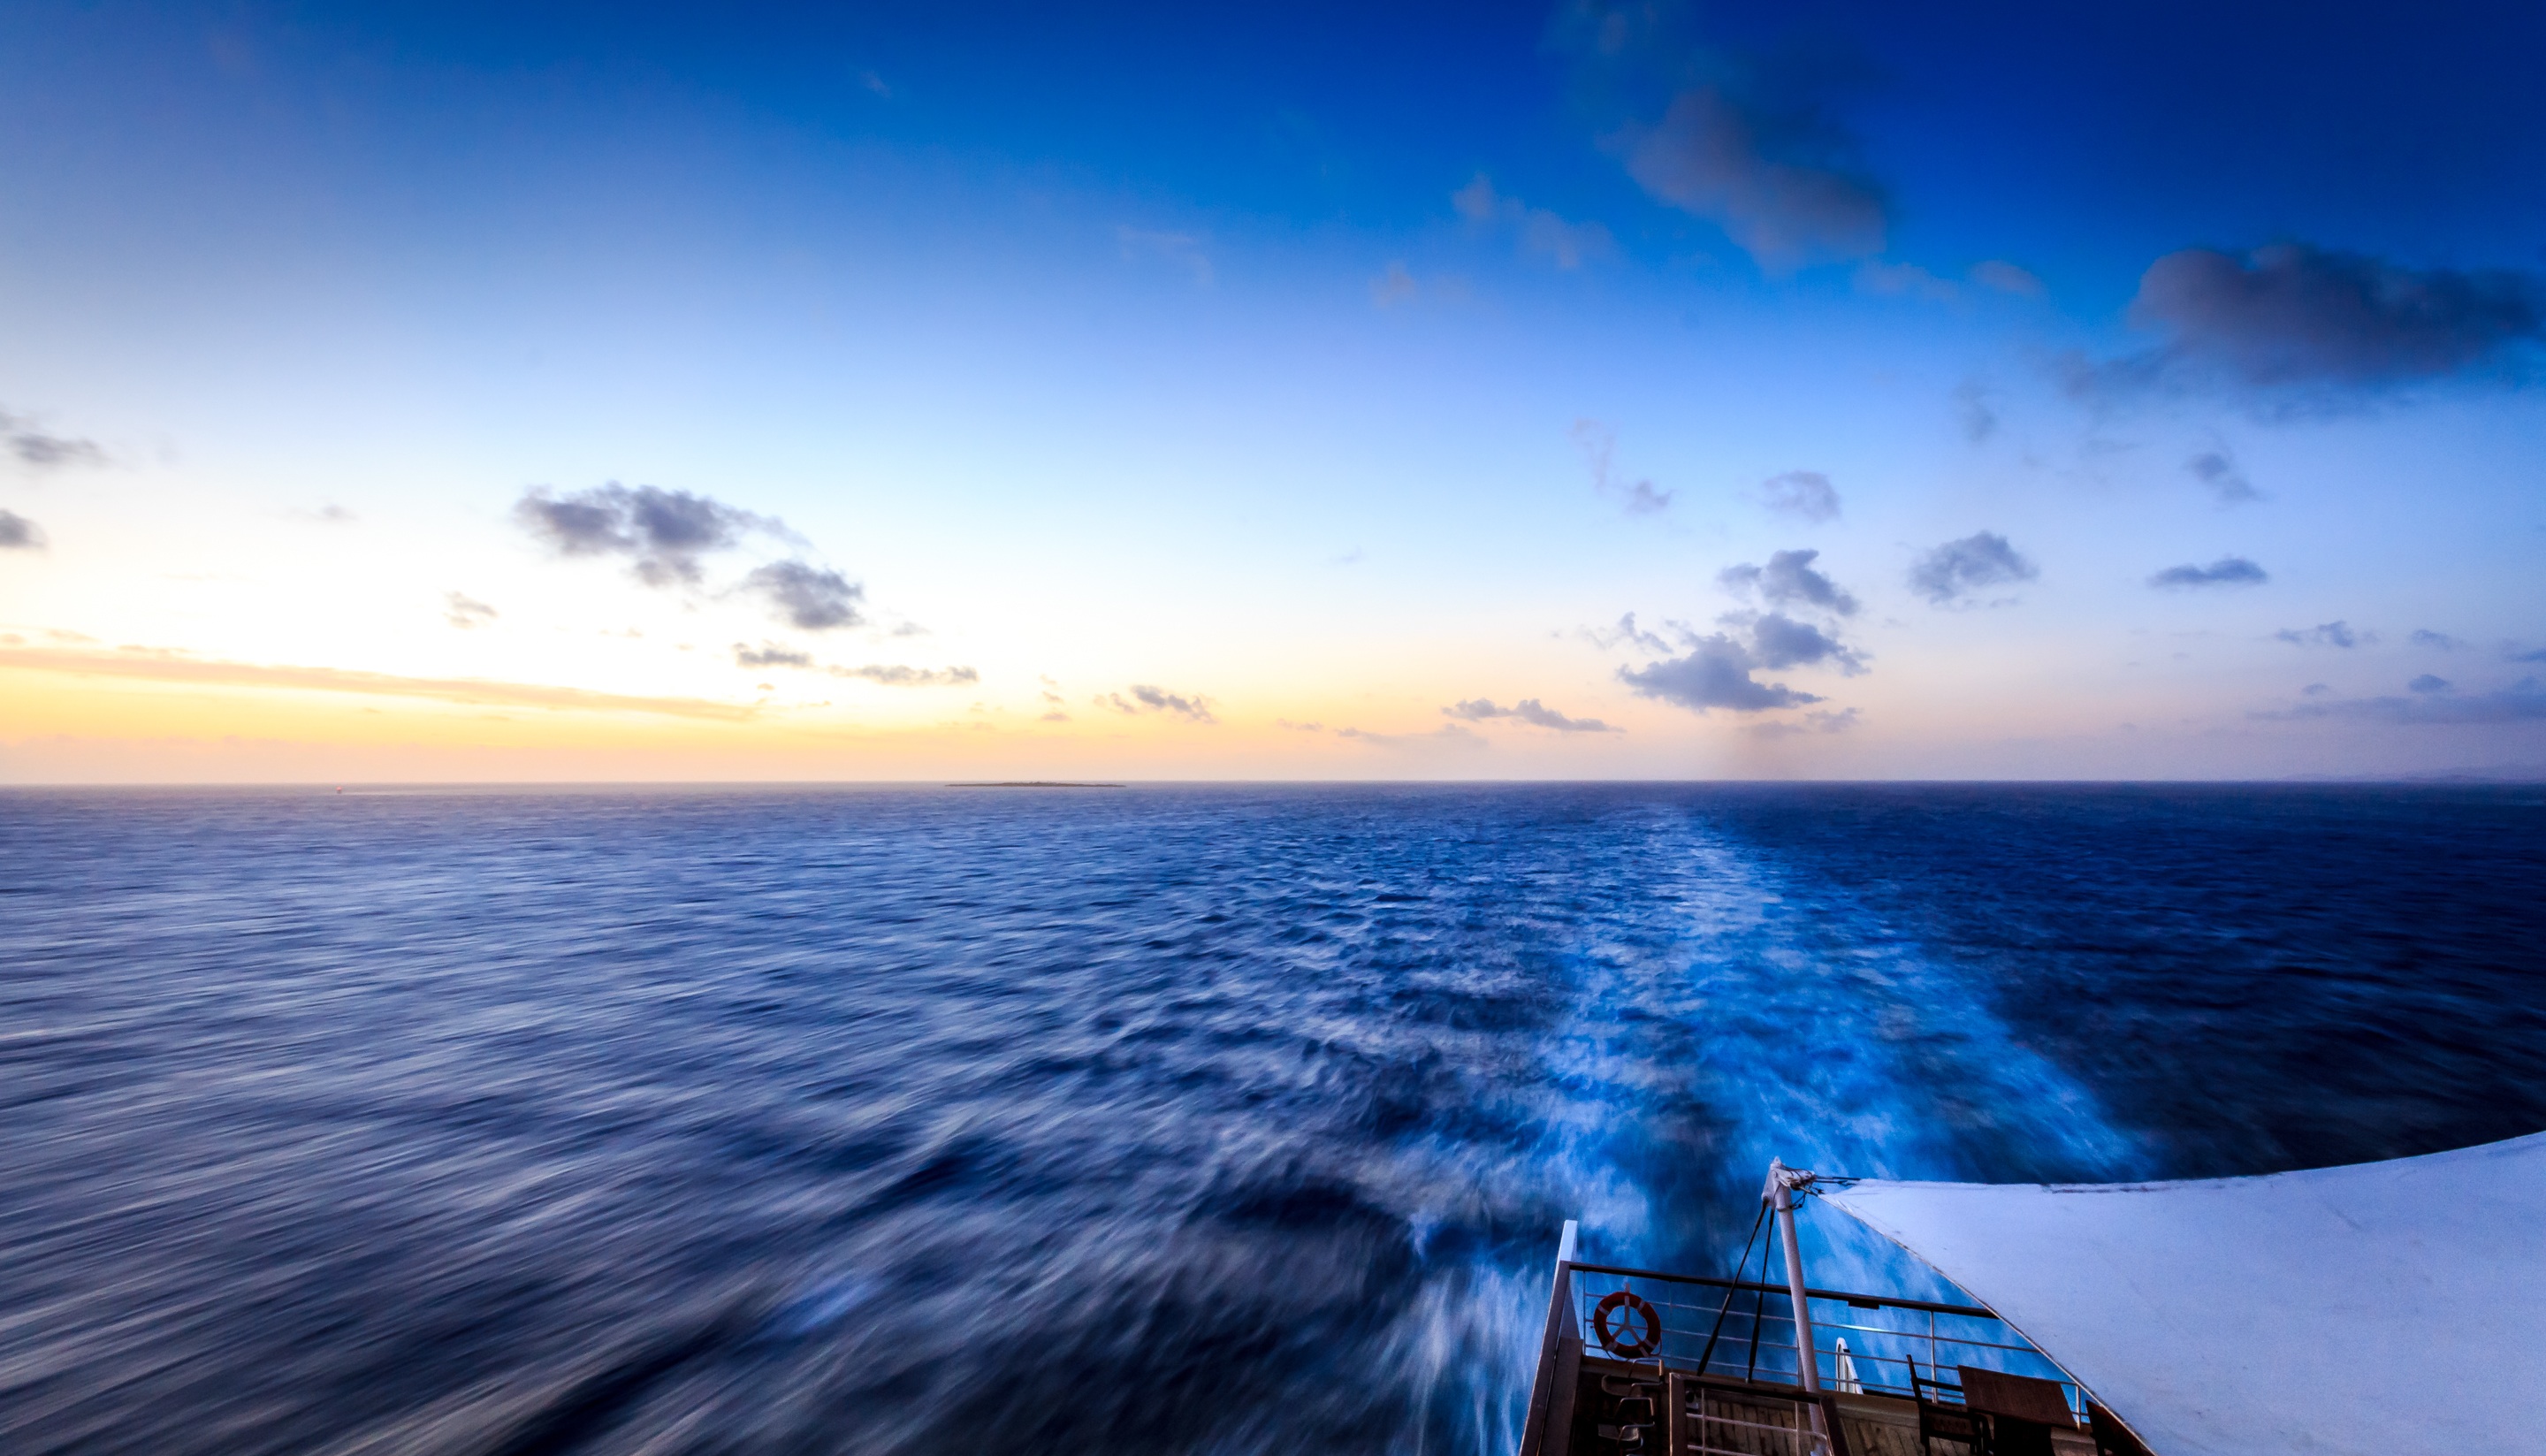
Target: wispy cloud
(169, 667)
(2431, 701)
(17, 533)
(1182, 250)
(891, 675)
(2218, 469)
(34, 447)
(1599, 444)
(464, 610)
(1540, 232)
(1148, 698)
(1529, 710)
(1806, 495)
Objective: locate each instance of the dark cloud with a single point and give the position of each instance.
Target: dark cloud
(1529, 710)
(1715, 673)
(32, 446)
(2523, 702)
(17, 533)
(813, 598)
(1149, 698)
(2217, 469)
(2294, 315)
(2225, 571)
(1954, 572)
(464, 610)
(1782, 181)
(2322, 635)
(1789, 577)
(1804, 494)
(770, 655)
(1778, 640)
(2427, 683)
(665, 532)
(2423, 637)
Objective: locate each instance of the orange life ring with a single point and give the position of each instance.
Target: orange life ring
(1624, 1340)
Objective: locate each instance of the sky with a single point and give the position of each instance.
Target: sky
(458, 392)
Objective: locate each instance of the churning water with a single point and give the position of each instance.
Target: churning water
(1129, 1120)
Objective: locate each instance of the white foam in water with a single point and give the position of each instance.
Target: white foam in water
(1814, 1035)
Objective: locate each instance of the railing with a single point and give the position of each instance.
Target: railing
(1726, 1327)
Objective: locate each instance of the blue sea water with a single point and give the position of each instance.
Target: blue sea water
(1141, 1120)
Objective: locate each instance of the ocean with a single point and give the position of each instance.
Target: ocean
(1191, 1119)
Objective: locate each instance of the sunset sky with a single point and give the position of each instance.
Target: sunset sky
(405, 393)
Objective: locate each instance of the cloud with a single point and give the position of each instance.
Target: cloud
(1778, 640)
(1789, 577)
(1393, 287)
(1605, 638)
(1715, 673)
(1182, 249)
(1149, 699)
(2007, 278)
(896, 677)
(176, 667)
(1820, 721)
(1953, 571)
(2225, 571)
(1540, 232)
(1529, 710)
(1598, 443)
(2323, 634)
(2523, 702)
(2429, 683)
(1807, 496)
(813, 598)
(1448, 734)
(665, 532)
(2423, 637)
(2292, 313)
(1972, 409)
(770, 655)
(32, 446)
(2217, 469)
(17, 533)
(1905, 280)
(1783, 183)
(773, 655)
(464, 610)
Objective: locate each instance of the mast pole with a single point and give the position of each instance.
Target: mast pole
(1780, 1192)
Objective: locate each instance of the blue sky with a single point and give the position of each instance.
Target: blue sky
(1293, 393)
